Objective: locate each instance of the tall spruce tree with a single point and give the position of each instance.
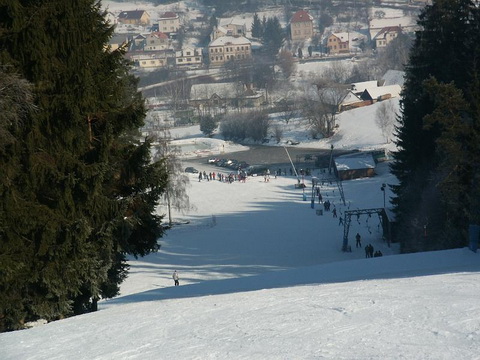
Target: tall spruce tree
(446, 49)
(79, 190)
(273, 36)
(257, 29)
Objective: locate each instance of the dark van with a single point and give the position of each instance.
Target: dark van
(254, 170)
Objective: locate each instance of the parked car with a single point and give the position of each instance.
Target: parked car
(292, 142)
(213, 160)
(254, 170)
(191, 170)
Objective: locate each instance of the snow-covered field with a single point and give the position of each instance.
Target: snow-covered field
(262, 276)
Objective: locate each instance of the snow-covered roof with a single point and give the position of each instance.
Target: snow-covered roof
(393, 77)
(234, 40)
(389, 29)
(355, 162)
(407, 23)
(133, 14)
(364, 85)
(351, 98)
(343, 36)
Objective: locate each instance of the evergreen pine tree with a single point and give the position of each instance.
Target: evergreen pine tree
(257, 30)
(446, 48)
(273, 36)
(85, 190)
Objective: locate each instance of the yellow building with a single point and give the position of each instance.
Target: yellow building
(338, 43)
(301, 26)
(135, 17)
(228, 48)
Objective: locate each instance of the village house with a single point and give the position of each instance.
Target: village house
(229, 27)
(301, 26)
(386, 35)
(117, 41)
(381, 93)
(354, 166)
(156, 41)
(134, 17)
(228, 48)
(214, 96)
(338, 43)
(408, 24)
(189, 56)
(168, 23)
(149, 60)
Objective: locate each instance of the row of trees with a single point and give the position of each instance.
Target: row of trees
(437, 163)
(78, 189)
(270, 32)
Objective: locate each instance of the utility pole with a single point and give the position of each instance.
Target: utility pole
(330, 162)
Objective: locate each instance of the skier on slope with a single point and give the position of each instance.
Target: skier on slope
(175, 278)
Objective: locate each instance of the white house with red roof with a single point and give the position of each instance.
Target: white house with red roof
(301, 26)
(156, 41)
(386, 35)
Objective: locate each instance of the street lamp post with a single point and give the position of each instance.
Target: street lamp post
(330, 162)
(383, 190)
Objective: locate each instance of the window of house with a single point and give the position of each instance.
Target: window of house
(188, 53)
(189, 59)
(180, 60)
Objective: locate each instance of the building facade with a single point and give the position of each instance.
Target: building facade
(169, 22)
(386, 35)
(301, 26)
(135, 17)
(227, 48)
(189, 56)
(156, 41)
(338, 43)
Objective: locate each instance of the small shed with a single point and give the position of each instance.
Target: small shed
(354, 166)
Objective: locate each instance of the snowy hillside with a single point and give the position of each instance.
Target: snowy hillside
(262, 276)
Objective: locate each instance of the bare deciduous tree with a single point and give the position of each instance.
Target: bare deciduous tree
(175, 195)
(385, 119)
(338, 72)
